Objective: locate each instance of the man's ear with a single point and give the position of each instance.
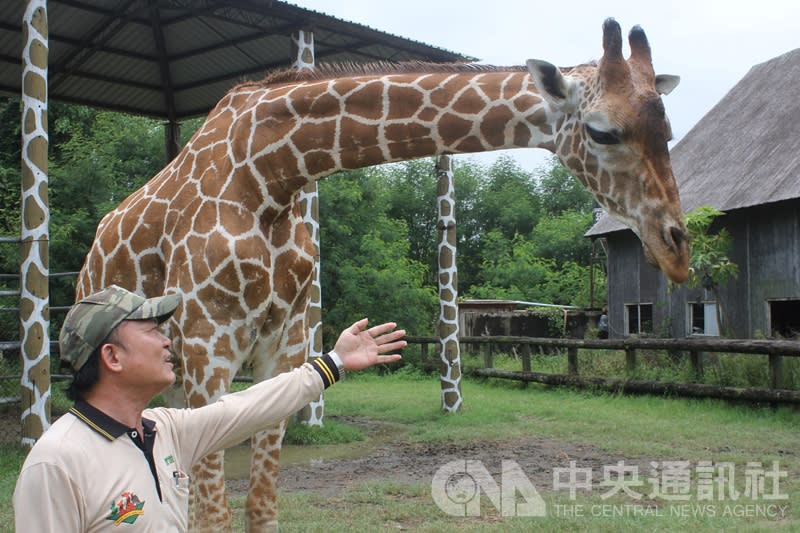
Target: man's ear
(109, 357)
(553, 86)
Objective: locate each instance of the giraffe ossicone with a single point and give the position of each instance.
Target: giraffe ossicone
(221, 224)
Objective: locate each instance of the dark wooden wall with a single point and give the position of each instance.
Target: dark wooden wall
(766, 247)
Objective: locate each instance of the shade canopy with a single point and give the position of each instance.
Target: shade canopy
(174, 59)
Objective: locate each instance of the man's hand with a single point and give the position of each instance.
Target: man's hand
(359, 347)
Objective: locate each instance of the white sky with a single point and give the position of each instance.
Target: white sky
(711, 44)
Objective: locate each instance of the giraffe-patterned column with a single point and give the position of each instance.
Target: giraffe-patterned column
(447, 327)
(303, 54)
(34, 268)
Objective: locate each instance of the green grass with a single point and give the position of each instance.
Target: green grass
(735, 370)
(385, 506)
(642, 426)
(332, 432)
(11, 458)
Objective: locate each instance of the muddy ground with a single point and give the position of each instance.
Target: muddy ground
(406, 462)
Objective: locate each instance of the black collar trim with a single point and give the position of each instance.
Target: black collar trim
(104, 424)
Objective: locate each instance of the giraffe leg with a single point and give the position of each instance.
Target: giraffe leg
(261, 510)
(208, 510)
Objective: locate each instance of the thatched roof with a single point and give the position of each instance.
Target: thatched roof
(746, 150)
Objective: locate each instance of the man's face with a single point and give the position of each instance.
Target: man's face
(144, 353)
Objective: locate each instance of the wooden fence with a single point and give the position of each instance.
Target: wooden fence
(696, 347)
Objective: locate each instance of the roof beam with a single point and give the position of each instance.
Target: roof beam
(98, 36)
(163, 62)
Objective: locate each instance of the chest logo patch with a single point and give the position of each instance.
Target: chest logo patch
(126, 509)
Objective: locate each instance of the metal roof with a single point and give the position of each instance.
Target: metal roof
(175, 59)
(745, 151)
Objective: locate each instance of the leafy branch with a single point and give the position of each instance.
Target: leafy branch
(709, 264)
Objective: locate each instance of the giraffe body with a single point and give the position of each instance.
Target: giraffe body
(221, 224)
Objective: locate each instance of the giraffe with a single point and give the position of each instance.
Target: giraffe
(221, 223)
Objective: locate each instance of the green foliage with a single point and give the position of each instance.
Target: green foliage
(710, 265)
(10, 174)
(560, 192)
(560, 237)
(511, 270)
(509, 202)
(410, 192)
(366, 268)
(514, 271)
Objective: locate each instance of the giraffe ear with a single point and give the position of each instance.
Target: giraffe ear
(665, 83)
(552, 85)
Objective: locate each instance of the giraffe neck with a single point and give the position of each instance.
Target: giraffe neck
(303, 131)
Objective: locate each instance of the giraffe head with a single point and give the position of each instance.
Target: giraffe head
(613, 135)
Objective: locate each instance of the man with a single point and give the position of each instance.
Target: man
(110, 460)
(602, 324)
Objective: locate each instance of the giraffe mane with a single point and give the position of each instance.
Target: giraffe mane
(329, 71)
(336, 70)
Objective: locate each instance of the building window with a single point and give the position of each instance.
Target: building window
(638, 319)
(784, 318)
(702, 318)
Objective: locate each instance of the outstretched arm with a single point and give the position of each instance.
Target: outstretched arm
(360, 347)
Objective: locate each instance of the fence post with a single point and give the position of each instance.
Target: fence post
(572, 361)
(488, 356)
(630, 360)
(775, 371)
(697, 364)
(525, 349)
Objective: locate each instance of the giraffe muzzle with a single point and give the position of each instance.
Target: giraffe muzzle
(669, 252)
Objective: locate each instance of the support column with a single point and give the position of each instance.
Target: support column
(303, 58)
(34, 235)
(172, 140)
(447, 327)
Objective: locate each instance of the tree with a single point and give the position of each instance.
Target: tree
(97, 159)
(560, 191)
(561, 237)
(411, 196)
(709, 264)
(514, 270)
(365, 258)
(10, 146)
(507, 200)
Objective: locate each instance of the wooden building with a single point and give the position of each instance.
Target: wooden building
(743, 158)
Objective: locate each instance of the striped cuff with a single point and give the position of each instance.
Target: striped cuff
(327, 369)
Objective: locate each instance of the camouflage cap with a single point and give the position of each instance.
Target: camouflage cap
(92, 319)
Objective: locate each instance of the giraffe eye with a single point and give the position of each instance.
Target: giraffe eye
(602, 137)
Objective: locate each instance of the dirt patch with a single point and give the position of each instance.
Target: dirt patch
(417, 463)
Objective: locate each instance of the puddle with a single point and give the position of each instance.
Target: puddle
(237, 459)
